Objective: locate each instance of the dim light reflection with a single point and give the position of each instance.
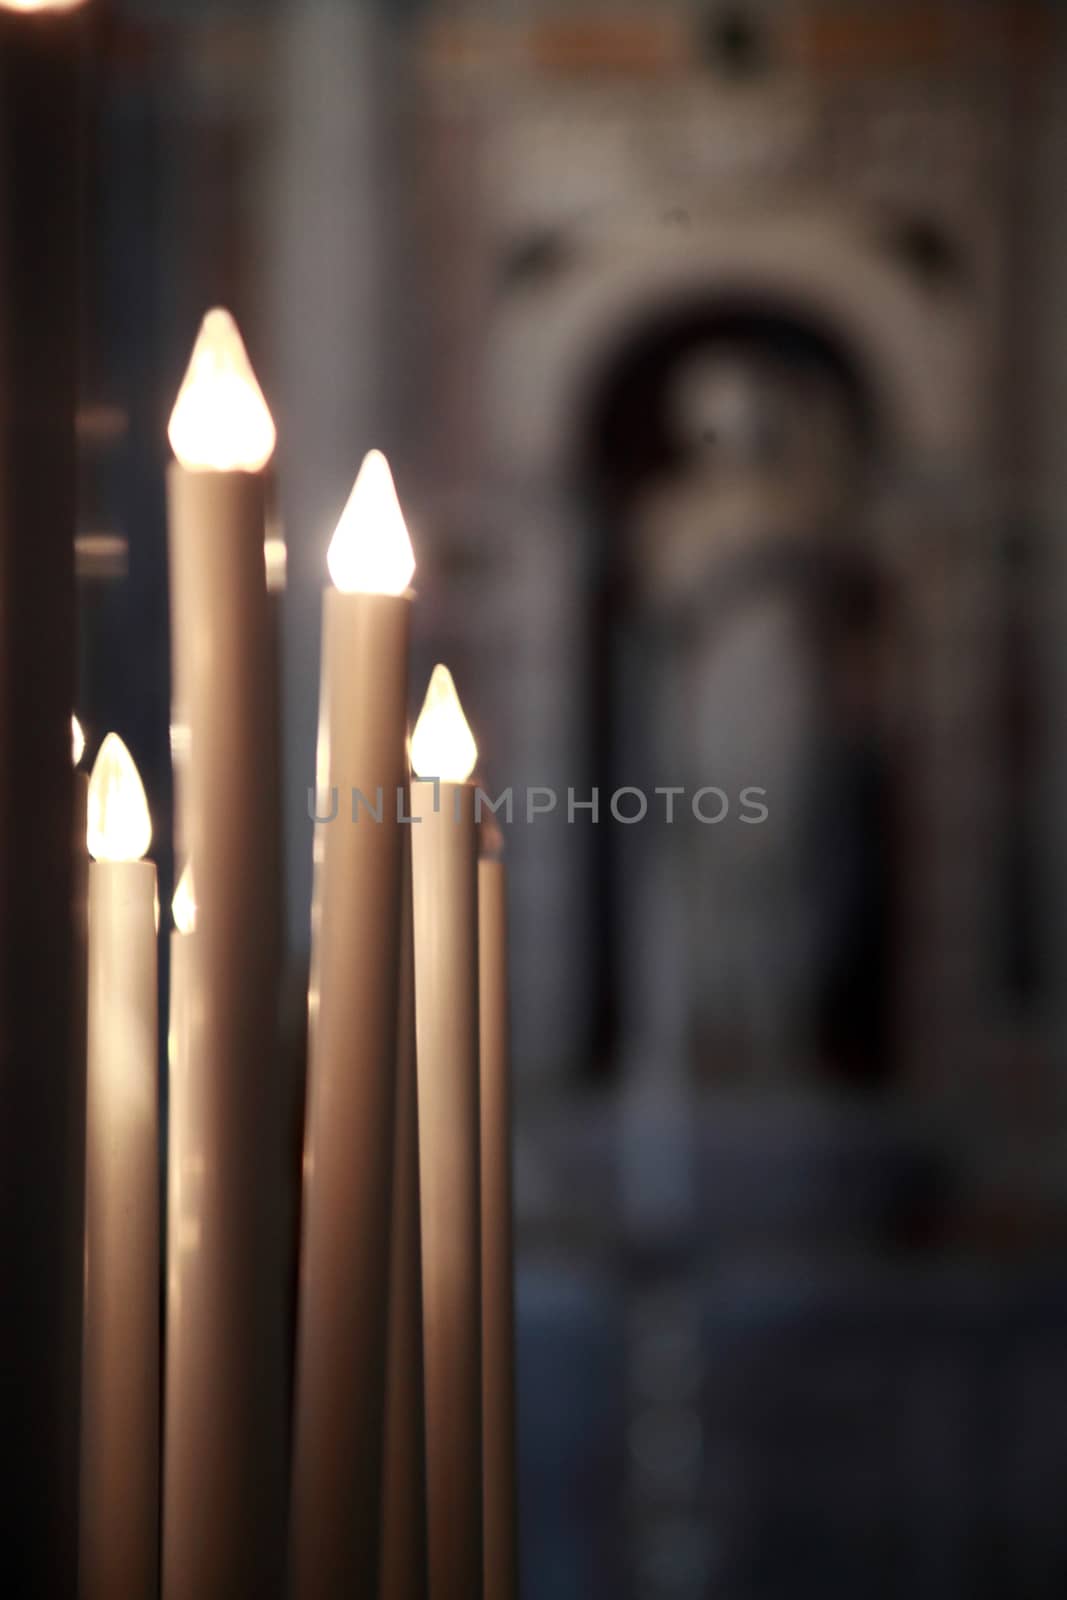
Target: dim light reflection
(220, 421)
(442, 745)
(119, 828)
(370, 552)
(77, 740)
(276, 562)
(490, 838)
(183, 904)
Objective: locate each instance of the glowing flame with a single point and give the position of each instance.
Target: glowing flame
(77, 740)
(442, 745)
(120, 828)
(220, 421)
(183, 905)
(40, 5)
(371, 553)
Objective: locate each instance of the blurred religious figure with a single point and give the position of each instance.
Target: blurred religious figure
(761, 616)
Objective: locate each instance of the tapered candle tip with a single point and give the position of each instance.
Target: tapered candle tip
(183, 905)
(119, 827)
(220, 421)
(370, 552)
(442, 745)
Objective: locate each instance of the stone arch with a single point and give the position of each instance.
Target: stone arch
(916, 351)
(552, 346)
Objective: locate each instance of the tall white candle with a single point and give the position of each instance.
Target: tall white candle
(352, 1041)
(191, 1197)
(224, 1475)
(498, 1302)
(445, 912)
(404, 1573)
(120, 1372)
(80, 907)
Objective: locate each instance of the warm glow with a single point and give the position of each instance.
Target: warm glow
(40, 5)
(442, 745)
(220, 421)
(490, 838)
(183, 905)
(371, 553)
(120, 828)
(77, 740)
(276, 562)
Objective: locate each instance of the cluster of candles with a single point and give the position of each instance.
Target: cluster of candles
(389, 1470)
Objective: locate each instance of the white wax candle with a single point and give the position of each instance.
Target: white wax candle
(223, 1516)
(445, 914)
(404, 1573)
(120, 1372)
(80, 907)
(352, 1045)
(191, 1200)
(498, 1305)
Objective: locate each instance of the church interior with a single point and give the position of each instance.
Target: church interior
(719, 348)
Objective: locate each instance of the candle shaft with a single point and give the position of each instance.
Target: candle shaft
(120, 1374)
(79, 1009)
(351, 1099)
(191, 1199)
(444, 878)
(223, 1517)
(498, 1301)
(42, 1068)
(404, 1573)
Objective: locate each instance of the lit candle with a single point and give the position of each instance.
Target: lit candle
(352, 1033)
(498, 1305)
(120, 1372)
(445, 914)
(79, 1008)
(224, 1471)
(404, 1574)
(42, 1057)
(189, 1201)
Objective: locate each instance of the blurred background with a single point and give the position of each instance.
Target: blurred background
(720, 350)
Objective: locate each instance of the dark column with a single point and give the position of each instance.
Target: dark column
(42, 1068)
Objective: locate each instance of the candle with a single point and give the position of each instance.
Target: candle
(352, 1035)
(189, 1197)
(80, 903)
(120, 1370)
(224, 1468)
(498, 1303)
(404, 1574)
(42, 1059)
(445, 919)
(80, 894)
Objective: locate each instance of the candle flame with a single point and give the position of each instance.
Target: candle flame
(77, 740)
(120, 828)
(220, 421)
(183, 905)
(370, 552)
(442, 745)
(40, 5)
